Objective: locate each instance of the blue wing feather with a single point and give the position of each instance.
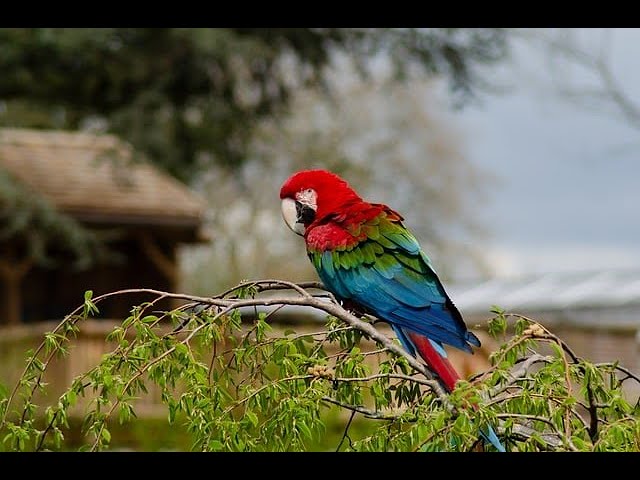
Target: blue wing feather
(390, 276)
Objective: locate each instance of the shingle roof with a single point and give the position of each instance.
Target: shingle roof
(71, 170)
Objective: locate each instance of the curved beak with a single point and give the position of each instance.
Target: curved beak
(290, 211)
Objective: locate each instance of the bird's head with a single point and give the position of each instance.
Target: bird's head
(309, 195)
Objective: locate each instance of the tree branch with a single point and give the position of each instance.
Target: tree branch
(363, 410)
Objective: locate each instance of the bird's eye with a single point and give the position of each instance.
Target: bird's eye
(308, 191)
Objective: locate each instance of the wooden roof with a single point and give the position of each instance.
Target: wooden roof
(76, 172)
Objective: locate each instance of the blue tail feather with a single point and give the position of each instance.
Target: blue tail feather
(490, 436)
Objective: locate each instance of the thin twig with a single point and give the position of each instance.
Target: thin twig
(346, 431)
(363, 410)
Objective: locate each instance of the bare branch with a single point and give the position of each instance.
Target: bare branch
(520, 372)
(429, 383)
(552, 439)
(363, 410)
(598, 62)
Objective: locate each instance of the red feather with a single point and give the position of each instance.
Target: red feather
(440, 365)
(334, 194)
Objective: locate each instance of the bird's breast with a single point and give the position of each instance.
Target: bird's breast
(329, 237)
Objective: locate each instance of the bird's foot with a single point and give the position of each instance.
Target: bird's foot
(353, 308)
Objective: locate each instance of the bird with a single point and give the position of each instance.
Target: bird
(368, 259)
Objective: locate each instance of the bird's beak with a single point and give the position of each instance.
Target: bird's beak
(298, 215)
(290, 214)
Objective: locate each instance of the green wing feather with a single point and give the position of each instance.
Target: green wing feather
(385, 271)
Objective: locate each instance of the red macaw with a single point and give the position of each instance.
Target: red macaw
(365, 256)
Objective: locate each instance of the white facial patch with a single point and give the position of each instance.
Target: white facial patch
(308, 197)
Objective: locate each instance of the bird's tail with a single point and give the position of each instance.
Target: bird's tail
(436, 359)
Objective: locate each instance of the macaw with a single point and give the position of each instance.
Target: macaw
(366, 257)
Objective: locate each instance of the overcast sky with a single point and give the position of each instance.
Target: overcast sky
(570, 190)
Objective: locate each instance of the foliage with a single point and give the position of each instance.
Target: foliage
(236, 386)
(190, 98)
(193, 99)
(47, 234)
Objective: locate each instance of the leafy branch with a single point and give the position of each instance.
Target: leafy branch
(222, 369)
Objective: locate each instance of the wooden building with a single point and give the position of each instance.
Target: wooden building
(99, 183)
(96, 181)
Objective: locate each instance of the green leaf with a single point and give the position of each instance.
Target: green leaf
(304, 428)
(497, 326)
(253, 418)
(215, 445)
(182, 349)
(172, 412)
(58, 437)
(89, 306)
(106, 435)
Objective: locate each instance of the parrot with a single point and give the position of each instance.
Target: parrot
(367, 258)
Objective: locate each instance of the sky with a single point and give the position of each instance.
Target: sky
(568, 193)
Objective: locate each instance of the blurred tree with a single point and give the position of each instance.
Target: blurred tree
(198, 101)
(192, 98)
(581, 65)
(41, 228)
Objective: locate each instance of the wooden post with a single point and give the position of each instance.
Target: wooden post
(161, 260)
(12, 274)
